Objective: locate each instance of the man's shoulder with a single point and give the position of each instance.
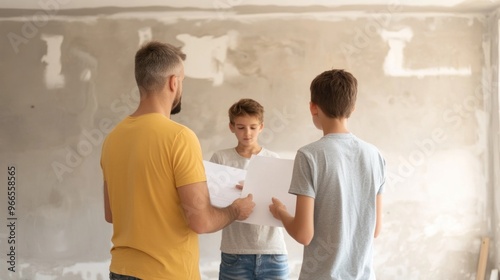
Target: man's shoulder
(172, 127)
(154, 124)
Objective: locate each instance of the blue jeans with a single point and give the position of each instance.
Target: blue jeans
(255, 267)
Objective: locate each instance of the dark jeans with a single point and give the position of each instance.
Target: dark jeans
(114, 276)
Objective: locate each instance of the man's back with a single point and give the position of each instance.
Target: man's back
(343, 174)
(142, 166)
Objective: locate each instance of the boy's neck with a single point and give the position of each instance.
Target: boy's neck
(330, 125)
(248, 151)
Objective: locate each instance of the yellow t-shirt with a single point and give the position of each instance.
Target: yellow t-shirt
(144, 159)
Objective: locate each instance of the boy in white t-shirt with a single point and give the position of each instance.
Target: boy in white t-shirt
(249, 251)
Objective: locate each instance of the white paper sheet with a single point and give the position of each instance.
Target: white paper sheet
(266, 178)
(222, 181)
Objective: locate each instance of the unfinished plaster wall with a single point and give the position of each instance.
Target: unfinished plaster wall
(422, 79)
(495, 136)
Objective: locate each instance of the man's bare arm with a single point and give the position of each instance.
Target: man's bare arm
(203, 217)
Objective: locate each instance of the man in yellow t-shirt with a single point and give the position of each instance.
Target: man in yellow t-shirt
(155, 191)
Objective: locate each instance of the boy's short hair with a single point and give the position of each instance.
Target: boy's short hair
(335, 91)
(246, 107)
(154, 63)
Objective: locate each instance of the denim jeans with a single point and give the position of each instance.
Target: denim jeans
(255, 267)
(114, 276)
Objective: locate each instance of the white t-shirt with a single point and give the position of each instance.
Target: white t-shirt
(243, 238)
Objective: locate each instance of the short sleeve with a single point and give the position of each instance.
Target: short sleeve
(381, 186)
(302, 176)
(215, 158)
(187, 159)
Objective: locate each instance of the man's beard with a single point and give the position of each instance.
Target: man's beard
(176, 106)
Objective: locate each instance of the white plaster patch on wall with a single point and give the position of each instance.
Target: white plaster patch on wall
(29, 271)
(394, 61)
(87, 270)
(221, 4)
(145, 35)
(164, 17)
(205, 56)
(55, 18)
(444, 168)
(443, 223)
(53, 77)
(337, 16)
(90, 270)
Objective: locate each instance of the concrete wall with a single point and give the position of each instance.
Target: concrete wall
(495, 136)
(424, 95)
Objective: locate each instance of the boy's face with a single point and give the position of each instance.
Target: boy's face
(247, 130)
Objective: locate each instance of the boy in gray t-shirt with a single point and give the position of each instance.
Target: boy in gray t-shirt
(338, 181)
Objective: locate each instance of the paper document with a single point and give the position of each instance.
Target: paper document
(222, 181)
(266, 178)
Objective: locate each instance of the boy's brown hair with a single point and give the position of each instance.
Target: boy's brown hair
(246, 107)
(154, 63)
(335, 91)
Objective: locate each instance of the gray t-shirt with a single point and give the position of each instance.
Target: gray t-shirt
(344, 175)
(243, 238)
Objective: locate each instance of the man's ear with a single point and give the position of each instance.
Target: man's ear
(173, 83)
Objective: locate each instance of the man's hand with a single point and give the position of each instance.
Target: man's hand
(276, 207)
(244, 207)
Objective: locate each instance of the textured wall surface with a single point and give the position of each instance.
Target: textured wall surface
(424, 83)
